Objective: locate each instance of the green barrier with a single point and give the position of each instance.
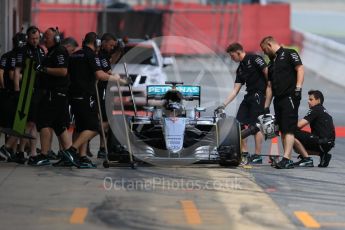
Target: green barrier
(25, 95)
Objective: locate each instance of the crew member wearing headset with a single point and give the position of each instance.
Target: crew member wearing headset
(84, 69)
(31, 50)
(53, 87)
(9, 99)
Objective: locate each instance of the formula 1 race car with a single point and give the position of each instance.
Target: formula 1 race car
(172, 133)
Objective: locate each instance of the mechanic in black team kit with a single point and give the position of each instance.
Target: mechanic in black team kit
(84, 68)
(321, 139)
(53, 87)
(108, 46)
(252, 71)
(285, 80)
(9, 97)
(33, 51)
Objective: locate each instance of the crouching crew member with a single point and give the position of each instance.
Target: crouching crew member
(321, 139)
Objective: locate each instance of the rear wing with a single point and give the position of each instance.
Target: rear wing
(157, 92)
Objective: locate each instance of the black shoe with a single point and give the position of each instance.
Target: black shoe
(20, 158)
(101, 153)
(304, 162)
(71, 156)
(85, 162)
(300, 160)
(325, 158)
(52, 155)
(255, 159)
(60, 154)
(284, 164)
(273, 160)
(32, 160)
(63, 162)
(39, 160)
(7, 153)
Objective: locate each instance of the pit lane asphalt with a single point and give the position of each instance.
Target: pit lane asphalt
(196, 197)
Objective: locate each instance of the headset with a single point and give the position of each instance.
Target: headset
(32, 30)
(98, 42)
(57, 37)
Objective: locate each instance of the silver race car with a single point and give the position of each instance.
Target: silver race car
(174, 132)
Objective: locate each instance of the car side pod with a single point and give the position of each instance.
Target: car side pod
(229, 139)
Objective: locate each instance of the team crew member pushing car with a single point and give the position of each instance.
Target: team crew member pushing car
(285, 80)
(321, 139)
(84, 68)
(53, 86)
(252, 71)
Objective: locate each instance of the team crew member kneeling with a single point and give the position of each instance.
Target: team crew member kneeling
(321, 139)
(84, 68)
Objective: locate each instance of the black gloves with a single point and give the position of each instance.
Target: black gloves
(297, 94)
(266, 110)
(41, 69)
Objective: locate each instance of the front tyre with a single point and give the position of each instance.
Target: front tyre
(229, 139)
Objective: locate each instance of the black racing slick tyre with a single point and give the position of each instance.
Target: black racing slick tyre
(229, 142)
